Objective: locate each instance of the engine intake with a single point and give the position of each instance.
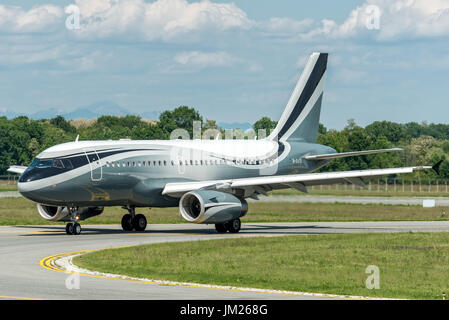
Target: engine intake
(52, 213)
(211, 207)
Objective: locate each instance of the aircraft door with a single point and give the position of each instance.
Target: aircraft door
(96, 169)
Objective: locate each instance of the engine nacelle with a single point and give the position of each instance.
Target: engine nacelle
(52, 213)
(211, 207)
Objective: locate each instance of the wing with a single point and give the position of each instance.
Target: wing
(17, 169)
(348, 154)
(251, 187)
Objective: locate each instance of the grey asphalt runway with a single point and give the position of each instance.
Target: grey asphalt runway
(23, 247)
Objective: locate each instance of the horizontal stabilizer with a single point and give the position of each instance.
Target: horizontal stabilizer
(330, 156)
(17, 169)
(436, 167)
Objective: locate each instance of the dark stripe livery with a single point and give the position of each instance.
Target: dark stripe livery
(306, 94)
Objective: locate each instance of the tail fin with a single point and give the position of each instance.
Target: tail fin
(300, 119)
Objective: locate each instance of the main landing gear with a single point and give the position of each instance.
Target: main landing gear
(132, 221)
(232, 226)
(73, 227)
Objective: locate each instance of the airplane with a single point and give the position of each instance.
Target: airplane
(209, 180)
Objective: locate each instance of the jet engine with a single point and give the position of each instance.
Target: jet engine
(211, 207)
(52, 213)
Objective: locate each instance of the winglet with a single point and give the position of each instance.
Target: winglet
(436, 167)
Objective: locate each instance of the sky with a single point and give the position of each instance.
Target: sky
(234, 61)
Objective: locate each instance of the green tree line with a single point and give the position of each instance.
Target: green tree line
(21, 138)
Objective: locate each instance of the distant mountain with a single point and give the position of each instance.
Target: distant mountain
(9, 114)
(96, 110)
(46, 114)
(102, 108)
(151, 115)
(91, 111)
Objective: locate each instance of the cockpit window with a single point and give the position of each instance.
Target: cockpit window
(55, 163)
(34, 162)
(44, 164)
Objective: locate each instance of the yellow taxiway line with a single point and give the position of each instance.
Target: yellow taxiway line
(18, 298)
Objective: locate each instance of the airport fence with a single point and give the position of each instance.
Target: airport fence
(392, 185)
(9, 177)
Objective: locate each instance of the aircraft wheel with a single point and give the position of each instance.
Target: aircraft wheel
(76, 229)
(234, 225)
(127, 222)
(69, 228)
(221, 227)
(139, 222)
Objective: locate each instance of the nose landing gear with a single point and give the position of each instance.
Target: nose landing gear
(131, 221)
(73, 228)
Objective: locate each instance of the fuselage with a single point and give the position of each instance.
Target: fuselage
(134, 172)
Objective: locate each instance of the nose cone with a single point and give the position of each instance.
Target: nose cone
(32, 174)
(26, 176)
(27, 184)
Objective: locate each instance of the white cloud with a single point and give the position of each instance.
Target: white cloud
(158, 20)
(38, 19)
(399, 19)
(349, 76)
(285, 26)
(199, 59)
(180, 20)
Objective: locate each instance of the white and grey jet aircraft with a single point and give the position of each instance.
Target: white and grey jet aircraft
(208, 179)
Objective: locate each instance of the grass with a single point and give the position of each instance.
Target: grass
(8, 185)
(412, 265)
(19, 211)
(339, 190)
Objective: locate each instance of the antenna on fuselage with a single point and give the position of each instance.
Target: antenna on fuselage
(77, 137)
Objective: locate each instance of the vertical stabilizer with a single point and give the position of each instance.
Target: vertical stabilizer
(300, 119)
